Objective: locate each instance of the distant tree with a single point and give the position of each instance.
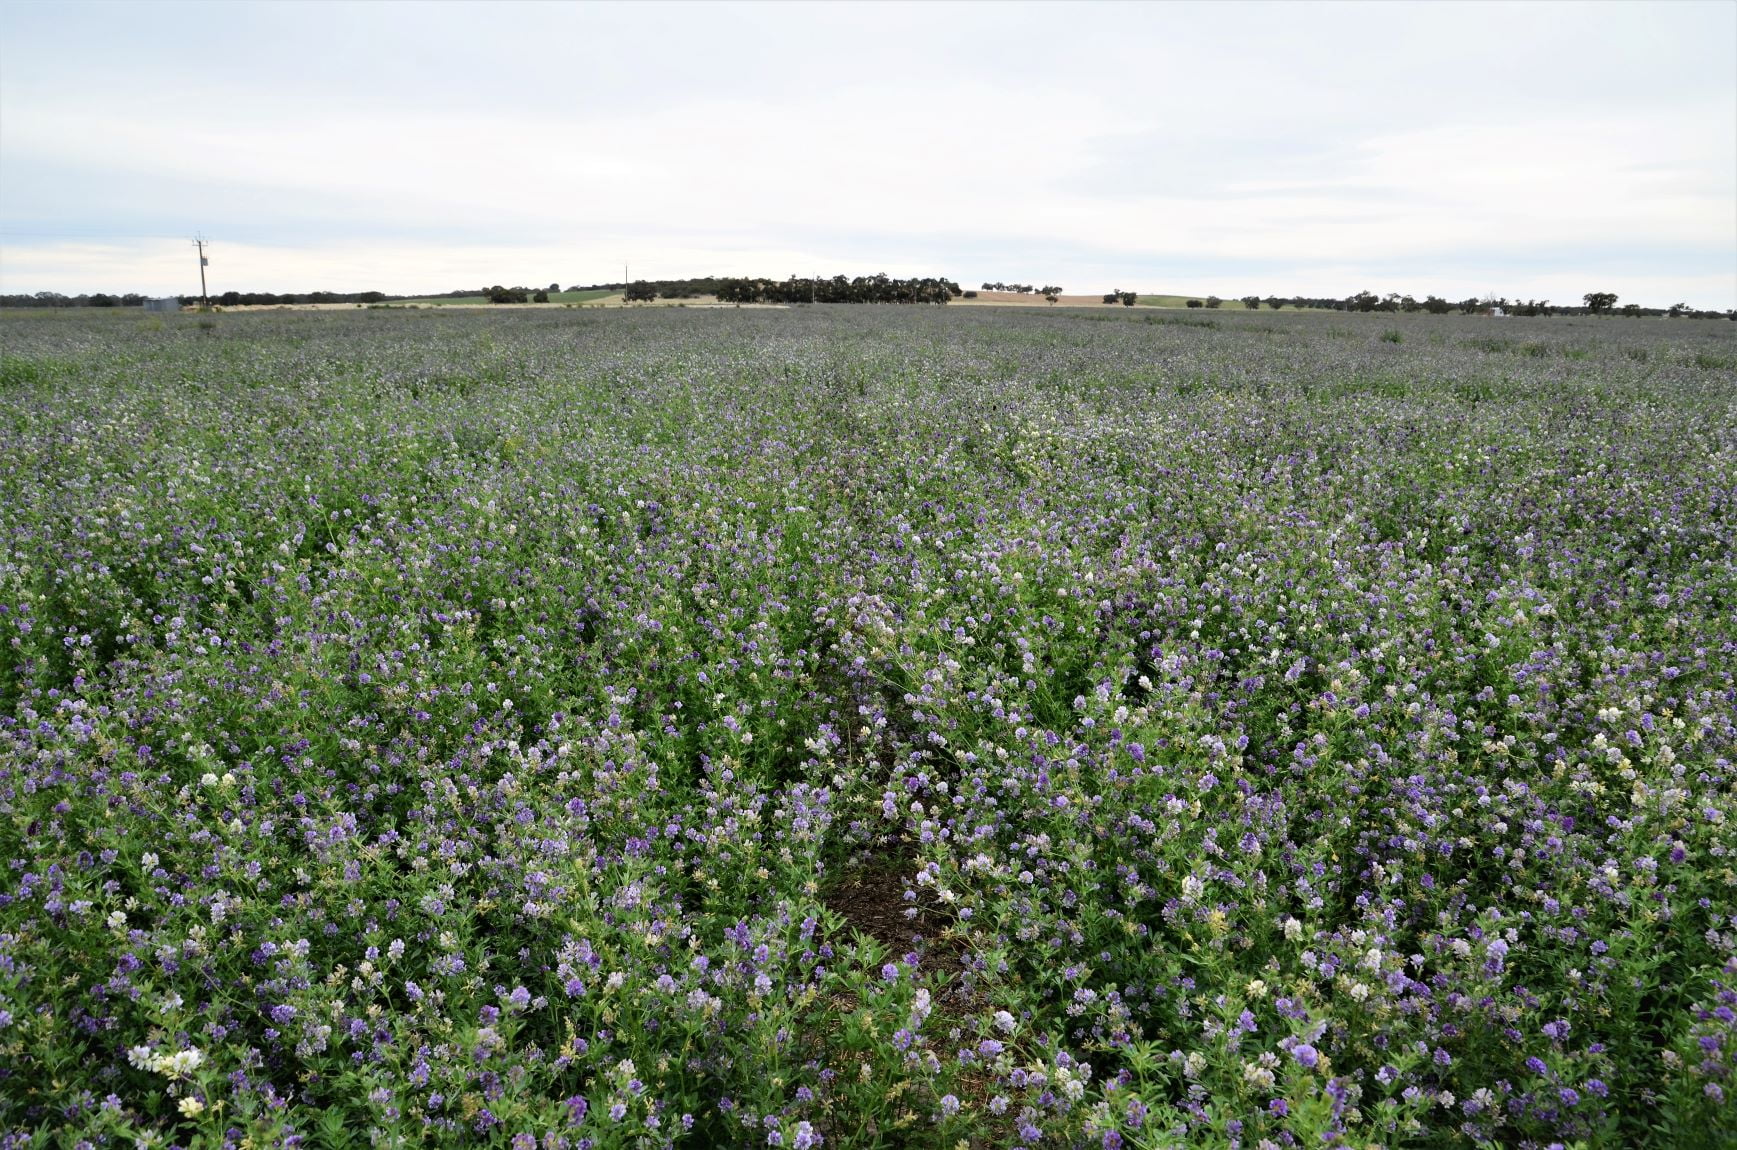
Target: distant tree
(1195, 303)
(1051, 289)
(970, 295)
(541, 297)
(879, 288)
(1129, 299)
(1362, 301)
(1676, 309)
(1409, 304)
(1213, 301)
(1469, 305)
(1113, 296)
(1435, 305)
(1631, 309)
(640, 292)
(1598, 302)
(1275, 302)
(553, 287)
(735, 290)
(1251, 302)
(499, 294)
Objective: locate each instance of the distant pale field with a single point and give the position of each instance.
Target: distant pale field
(1014, 299)
(555, 299)
(608, 299)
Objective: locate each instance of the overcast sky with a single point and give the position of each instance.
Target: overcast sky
(1525, 150)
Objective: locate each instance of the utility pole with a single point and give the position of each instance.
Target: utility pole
(204, 297)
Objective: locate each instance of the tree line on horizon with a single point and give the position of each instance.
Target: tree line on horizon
(879, 288)
(1594, 303)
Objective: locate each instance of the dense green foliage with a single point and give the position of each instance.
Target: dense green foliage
(879, 288)
(866, 727)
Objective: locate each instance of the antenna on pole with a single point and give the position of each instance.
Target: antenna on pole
(199, 242)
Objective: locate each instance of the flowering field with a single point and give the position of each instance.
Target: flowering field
(867, 728)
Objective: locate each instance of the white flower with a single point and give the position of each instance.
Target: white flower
(142, 1058)
(118, 920)
(181, 1064)
(191, 1107)
(209, 779)
(148, 860)
(1004, 1022)
(1192, 889)
(1293, 929)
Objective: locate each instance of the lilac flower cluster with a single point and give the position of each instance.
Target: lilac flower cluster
(834, 728)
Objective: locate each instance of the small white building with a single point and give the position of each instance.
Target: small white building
(167, 303)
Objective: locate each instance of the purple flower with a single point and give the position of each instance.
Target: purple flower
(1307, 1056)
